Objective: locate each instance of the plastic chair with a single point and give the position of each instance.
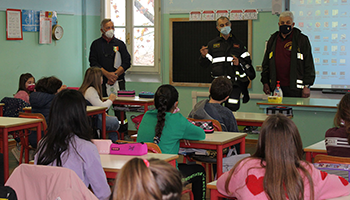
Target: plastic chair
(320, 158)
(217, 127)
(48, 182)
(25, 147)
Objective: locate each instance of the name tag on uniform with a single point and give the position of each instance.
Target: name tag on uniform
(217, 45)
(236, 45)
(115, 48)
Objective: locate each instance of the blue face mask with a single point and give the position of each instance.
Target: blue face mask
(225, 30)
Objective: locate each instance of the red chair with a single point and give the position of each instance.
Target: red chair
(25, 147)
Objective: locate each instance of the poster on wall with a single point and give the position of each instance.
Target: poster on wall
(14, 24)
(30, 20)
(45, 33)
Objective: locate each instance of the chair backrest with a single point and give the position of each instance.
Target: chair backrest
(153, 148)
(216, 123)
(321, 158)
(47, 182)
(13, 106)
(35, 116)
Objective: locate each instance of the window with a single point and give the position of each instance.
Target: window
(137, 23)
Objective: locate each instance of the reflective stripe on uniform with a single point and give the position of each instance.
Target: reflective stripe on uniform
(300, 86)
(209, 57)
(245, 54)
(299, 81)
(222, 59)
(300, 56)
(233, 101)
(241, 75)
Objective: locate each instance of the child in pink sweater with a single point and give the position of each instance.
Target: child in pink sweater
(276, 170)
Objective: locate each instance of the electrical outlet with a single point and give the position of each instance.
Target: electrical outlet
(258, 68)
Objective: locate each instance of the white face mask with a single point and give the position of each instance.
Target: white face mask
(109, 33)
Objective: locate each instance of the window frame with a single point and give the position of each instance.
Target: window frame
(105, 13)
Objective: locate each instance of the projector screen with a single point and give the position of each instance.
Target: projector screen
(325, 23)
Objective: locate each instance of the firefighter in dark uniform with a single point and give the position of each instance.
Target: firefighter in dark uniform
(228, 57)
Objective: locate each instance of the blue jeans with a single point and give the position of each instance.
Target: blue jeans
(112, 124)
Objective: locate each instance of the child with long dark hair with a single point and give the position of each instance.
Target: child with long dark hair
(25, 87)
(166, 129)
(68, 142)
(154, 179)
(276, 171)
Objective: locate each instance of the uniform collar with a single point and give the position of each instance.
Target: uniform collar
(106, 38)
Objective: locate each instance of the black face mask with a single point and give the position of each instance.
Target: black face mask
(285, 29)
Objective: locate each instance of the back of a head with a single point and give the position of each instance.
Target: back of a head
(280, 146)
(342, 117)
(220, 88)
(92, 78)
(48, 85)
(157, 181)
(166, 96)
(68, 114)
(22, 81)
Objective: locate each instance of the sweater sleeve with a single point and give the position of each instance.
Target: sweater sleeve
(329, 185)
(92, 96)
(95, 174)
(192, 132)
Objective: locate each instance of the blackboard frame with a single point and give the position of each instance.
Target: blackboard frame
(171, 51)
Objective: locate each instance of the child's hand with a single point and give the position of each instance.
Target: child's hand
(112, 97)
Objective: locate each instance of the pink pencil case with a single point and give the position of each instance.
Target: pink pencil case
(126, 93)
(103, 145)
(133, 149)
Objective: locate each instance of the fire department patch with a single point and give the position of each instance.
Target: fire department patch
(115, 48)
(236, 45)
(217, 45)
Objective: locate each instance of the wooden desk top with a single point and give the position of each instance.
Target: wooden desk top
(250, 117)
(88, 108)
(7, 122)
(95, 108)
(304, 102)
(2, 104)
(219, 138)
(319, 147)
(113, 163)
(132, 99)
(212, 185)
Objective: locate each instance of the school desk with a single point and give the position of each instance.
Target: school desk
(218, 141)
(1, 105)
(113, 163)
(136, 100)
(312, 116)
(10, 124)
(314, 149)
(249, 118)
(214, 193)
(90, 110)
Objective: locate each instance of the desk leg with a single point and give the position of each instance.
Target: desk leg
(214, 194)
(145, 107)
(219, 160)
(38, 132)
(308, 157)
(26, 150)
(173, 163)
(103, 125)
(6, 154)
(242, 146)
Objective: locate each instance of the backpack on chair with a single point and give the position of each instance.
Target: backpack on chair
(13, 106)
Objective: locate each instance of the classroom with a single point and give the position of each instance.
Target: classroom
(68, 58)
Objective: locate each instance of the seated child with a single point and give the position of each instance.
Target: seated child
(68, 142)
(166, 129)
(277, 171)
(40, 100)
(91, 88)
(25, 87)
(155, 179)
(338, 138)
(219, 90)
